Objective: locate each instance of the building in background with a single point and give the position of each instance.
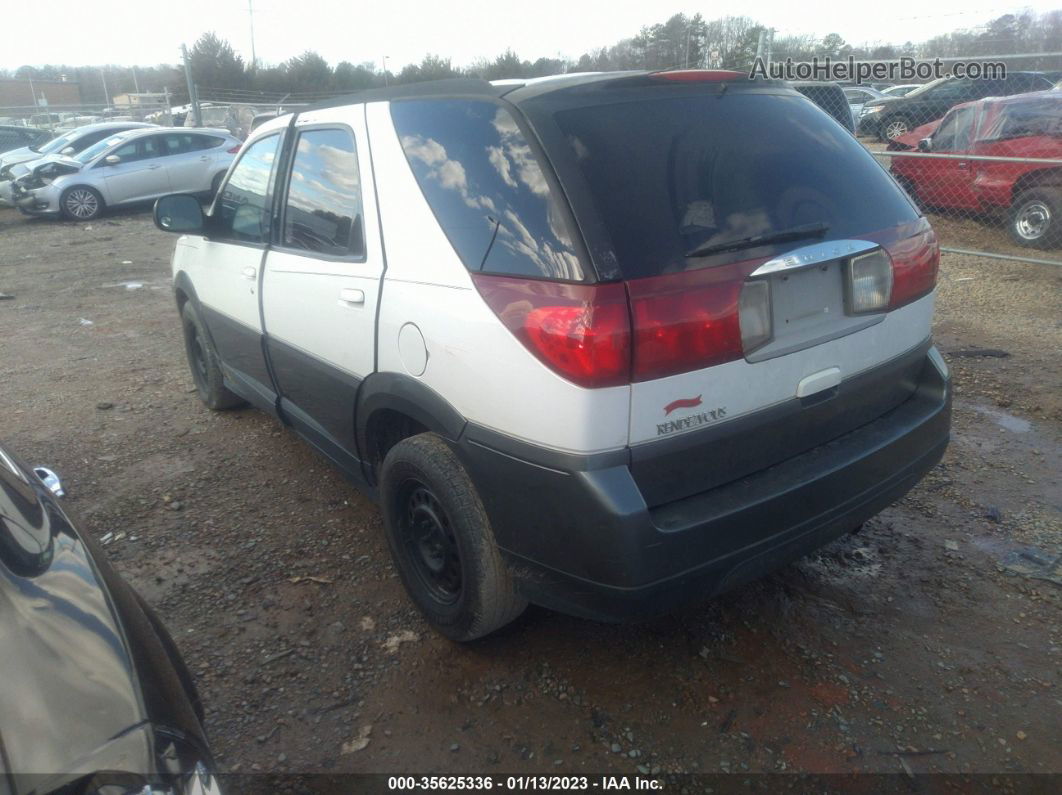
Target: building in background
(144, 99)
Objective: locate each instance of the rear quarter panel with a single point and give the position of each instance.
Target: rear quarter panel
(473, 361)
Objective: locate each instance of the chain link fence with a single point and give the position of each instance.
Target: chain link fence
(58, 119)
(988, 174)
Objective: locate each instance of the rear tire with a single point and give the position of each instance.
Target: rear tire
(1035, 218)
(81, 203)
(205, 364)
(442, 542)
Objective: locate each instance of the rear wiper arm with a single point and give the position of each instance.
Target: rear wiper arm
(796, 233)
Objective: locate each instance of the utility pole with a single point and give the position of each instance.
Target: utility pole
(106, 93)
(384, 61)
(193, 95)
(250, 14)
(770, 45)
(689, 28)
(759, 43)
(136, 83)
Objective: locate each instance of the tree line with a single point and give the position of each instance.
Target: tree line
(679, 42)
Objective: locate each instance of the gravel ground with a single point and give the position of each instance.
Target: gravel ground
(929, 641)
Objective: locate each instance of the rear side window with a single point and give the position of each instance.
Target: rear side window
(323, 211)
(181, 143)
(241, 210)
(486, 188)
(674, 174)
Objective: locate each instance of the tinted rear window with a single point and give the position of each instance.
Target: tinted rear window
(486, 188)
(673, 174)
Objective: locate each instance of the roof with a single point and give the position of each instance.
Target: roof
(517, 89)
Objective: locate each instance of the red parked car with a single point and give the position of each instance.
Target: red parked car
(1026, 125)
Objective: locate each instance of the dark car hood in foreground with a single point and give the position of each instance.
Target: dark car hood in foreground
(67, 681)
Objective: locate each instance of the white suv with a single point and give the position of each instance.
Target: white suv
(601, 342)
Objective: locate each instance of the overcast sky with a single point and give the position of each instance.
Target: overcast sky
(128, 32)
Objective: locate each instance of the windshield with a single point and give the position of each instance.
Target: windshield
(54, 145)
(686, 182)
(924, 88)
(97, 148)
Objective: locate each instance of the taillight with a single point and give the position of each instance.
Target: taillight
(234, 150)
(686, 321)
(582, 332)
(915, 262)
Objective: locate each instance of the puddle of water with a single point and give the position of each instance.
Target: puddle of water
(127, 285)
(1004, 420)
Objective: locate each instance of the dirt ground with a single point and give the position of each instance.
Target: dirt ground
(929, 641)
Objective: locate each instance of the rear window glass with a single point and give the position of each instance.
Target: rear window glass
(486, 188)
(675, 174)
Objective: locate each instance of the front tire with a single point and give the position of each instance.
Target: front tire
(893, 128)
(205, 363)
(442, 542)
(1035, 218)
(81, 203)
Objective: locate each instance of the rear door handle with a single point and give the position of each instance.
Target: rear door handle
(352, 295)
(249, 273)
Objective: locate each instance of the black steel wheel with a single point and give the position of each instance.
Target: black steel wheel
(204, 363)
(442, 542)
(430, 543)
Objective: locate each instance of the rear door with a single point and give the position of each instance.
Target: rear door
(322, 279)
(189, 160)
(139, 174)
(225, 266)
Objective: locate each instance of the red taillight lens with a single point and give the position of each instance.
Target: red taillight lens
(234, 150)
(687, 321)
(915, 262)
(582, 332)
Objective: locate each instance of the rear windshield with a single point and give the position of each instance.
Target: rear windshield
(676, 174)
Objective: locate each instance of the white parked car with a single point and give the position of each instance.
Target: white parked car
(125, 168)
(602, 342)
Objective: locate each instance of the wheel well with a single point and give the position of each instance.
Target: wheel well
(385, 429)
(1035, 179)
(182, 299)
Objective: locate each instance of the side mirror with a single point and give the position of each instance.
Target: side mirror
(180, 213)
(925, 145)
(112, 160)
(67, 150)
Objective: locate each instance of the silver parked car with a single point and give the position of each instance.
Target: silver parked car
(130, 167)
(69, 143)
(858, 96)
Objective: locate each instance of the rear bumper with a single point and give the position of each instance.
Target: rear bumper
(581, 539)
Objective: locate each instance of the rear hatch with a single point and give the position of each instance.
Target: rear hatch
(778, 281)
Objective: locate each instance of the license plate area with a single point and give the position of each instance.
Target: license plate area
(808, 308)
